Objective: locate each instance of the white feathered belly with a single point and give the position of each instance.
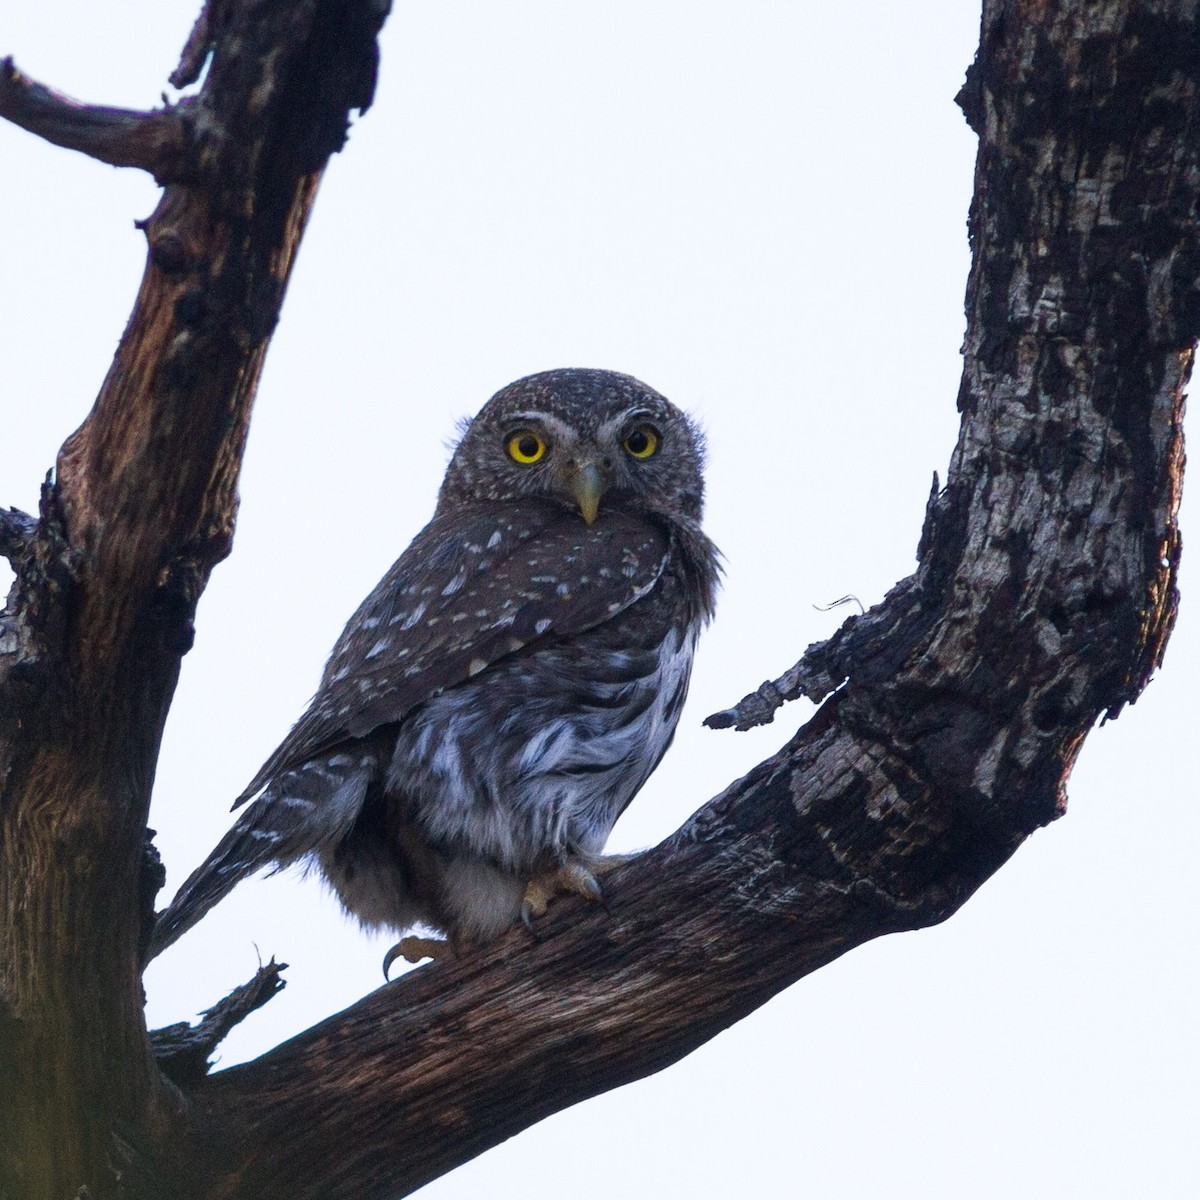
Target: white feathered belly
(534, 761)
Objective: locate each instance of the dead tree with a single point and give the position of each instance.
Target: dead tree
(951, 712)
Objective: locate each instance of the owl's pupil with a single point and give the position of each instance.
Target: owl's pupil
(528, 446)
(638, 442)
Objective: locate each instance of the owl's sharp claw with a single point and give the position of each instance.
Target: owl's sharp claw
(414, 949)
(573, 878)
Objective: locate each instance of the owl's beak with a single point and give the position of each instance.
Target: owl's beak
(587, 486)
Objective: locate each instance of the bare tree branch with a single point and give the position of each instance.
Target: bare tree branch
(154, 141)
(16, 533)
(182, 1050)
(142, 506)
(953, 711)
(195, 50)
(1043, 598)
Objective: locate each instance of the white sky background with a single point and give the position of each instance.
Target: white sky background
(759, 208)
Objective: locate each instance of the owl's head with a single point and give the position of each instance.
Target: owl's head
(585, 439)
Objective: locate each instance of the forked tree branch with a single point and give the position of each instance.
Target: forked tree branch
(1043, 599)
(953, 711)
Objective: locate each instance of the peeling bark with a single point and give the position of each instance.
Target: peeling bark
(952, 711)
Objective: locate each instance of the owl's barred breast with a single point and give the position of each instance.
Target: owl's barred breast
(520, 768)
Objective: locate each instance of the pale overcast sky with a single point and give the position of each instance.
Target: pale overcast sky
(758, 208)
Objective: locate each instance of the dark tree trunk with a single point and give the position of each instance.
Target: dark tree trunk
(142, 508)
(952, 712)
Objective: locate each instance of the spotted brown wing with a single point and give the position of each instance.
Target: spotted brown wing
(474, 586)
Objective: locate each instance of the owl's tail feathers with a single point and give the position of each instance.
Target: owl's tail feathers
(301, 811)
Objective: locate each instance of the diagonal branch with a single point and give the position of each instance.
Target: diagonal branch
(1044, 595)
(154, 141)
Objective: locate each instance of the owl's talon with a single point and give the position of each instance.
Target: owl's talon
(571, 879)
(534, 903)
(414, 949)
(527, 915)
(589, 888)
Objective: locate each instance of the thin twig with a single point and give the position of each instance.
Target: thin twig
(153, 141)
(16, 532)
(182, 1050)
(195, 51)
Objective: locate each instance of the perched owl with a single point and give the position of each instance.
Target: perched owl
(509, 685)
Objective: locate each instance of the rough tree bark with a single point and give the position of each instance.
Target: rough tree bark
(953, 710)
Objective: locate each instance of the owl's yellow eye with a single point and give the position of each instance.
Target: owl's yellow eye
(525, 446)
(642, 442)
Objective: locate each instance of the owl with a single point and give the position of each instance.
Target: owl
(509, 685)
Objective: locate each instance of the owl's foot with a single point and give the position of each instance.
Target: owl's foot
(573, 878)
(414, 949)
